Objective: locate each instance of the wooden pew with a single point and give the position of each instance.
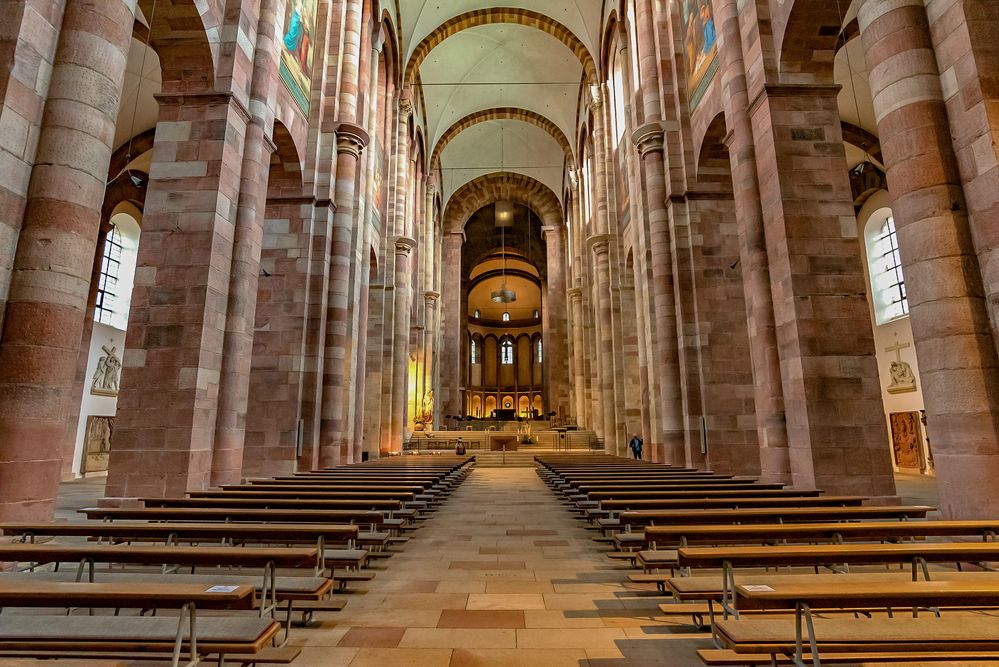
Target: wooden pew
(86, 555)
(772, 515)
(860, 636)
(50, 636)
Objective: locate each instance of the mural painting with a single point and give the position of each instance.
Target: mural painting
(297, 49)
(700, 46)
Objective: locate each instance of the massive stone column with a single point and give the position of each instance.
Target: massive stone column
(450, 362)
(431, 304)
(600, 247)
(356, 343)
(556, 363)
(657, 123)
(649, 140)
(365, 295)
(277, 373)
(351, 140)
(832, 394)
(397, 319)
(599, 244)
(172, 364)
(957, 359)
(50, 275)
(28, 47)
(400, 349)
(771, 427)
(578, 377)
(237, 349)
(967, 53)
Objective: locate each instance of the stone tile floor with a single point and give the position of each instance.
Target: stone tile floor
(500, 575)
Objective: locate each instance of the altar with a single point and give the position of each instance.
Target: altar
(503, 441)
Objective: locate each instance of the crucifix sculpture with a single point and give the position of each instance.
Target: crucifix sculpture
(902, 378)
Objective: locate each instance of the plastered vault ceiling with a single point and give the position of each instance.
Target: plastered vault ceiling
(501, 65)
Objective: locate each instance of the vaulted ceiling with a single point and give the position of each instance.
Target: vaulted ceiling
(502, 64)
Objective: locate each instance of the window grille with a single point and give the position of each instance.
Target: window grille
(108, 280)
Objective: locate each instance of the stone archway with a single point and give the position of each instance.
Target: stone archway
(495, 15)
(503, 113)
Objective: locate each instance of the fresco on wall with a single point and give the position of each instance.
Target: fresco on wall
(700, 46)
(297, 49)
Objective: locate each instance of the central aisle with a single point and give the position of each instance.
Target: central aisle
(501, 575)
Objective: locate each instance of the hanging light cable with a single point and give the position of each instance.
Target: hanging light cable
(503, 217)
(136, 180)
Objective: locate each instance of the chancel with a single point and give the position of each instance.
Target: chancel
(558, 332)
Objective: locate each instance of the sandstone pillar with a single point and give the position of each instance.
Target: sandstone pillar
(768, 394)
(50, 275)
(832, 395)
(28, 45)
(967, 52)
(957, 361)
(237, 349)
(431, 301)
(400, 348)
(278, 369)
(360, 243)
(365, 295)
(578, 376)
(555, 361)
(172, 364)
(649, 140)
(599, 246)
(450, 362)
(351, 140)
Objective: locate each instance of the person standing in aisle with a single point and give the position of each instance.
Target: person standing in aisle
(636, 446)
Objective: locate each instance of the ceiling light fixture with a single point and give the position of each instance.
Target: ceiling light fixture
(503, 217)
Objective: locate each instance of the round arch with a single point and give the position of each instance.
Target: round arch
(807, 34)
(486, 189)
(502, 113)
(187, 56)
(495, 15)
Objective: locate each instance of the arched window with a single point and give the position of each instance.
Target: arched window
(108, 282)
(506, 352)
(114, 287)
(885, 266)
(476, 315)
(540, 355)
(475, 352)
(537, 314)
(506, 317)
(618, 119)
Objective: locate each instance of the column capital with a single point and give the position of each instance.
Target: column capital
(203, 99)
(599, 244)
(404, 245)
(351, 139)
(431, 296)
(649, 138)
(551, 230)
(575, 293)
(793, 90)
(596, 97)
(405, 107)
